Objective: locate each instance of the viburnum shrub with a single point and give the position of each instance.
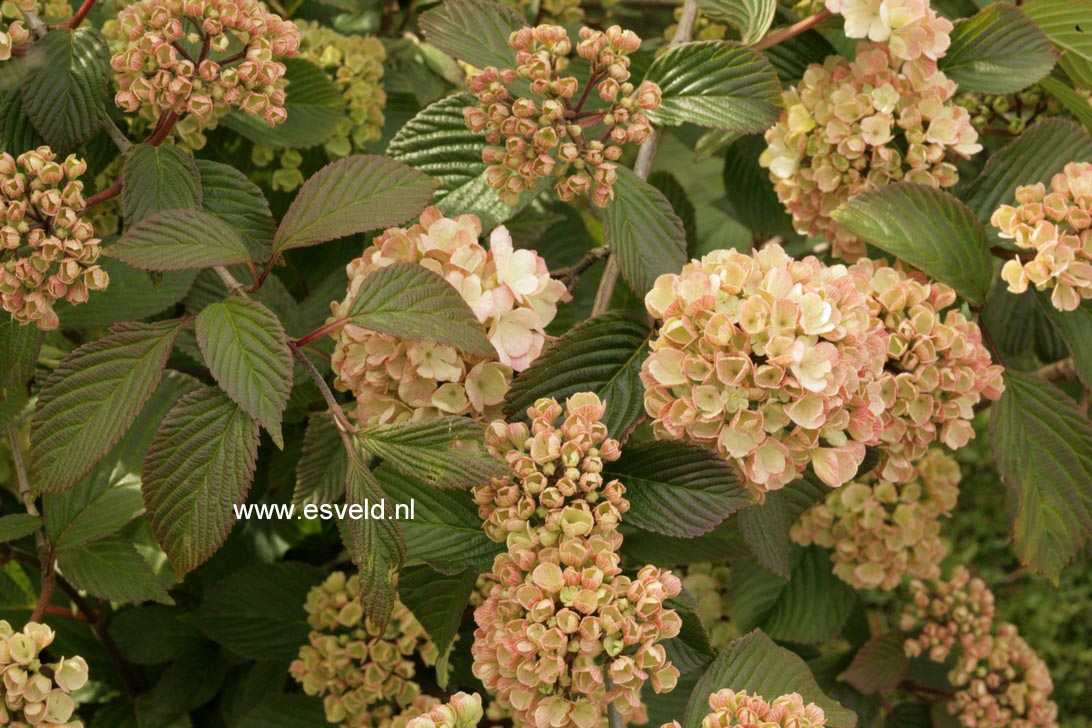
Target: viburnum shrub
(545, 363)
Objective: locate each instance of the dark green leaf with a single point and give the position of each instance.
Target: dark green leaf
(19, 345)
(1061, 20)
(17, 133)
(427, 450)
(322, 468)
(229, 195)
(475, 31)
(65, 89)
(377, 546)
(880, 664)
(438, 601)
(998, 51)
(1076, 329)
(113, 570)
(286, 711)
(132, 295)
(152, 635)
(156, 179)
(17, 525)
(1068, 97)
(765, 526)
(750, 192)
(179, 239)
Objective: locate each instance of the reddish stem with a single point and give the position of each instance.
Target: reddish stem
(81, 14)
(112, 191)
(163, 128)
(320, 332)
(792, 31)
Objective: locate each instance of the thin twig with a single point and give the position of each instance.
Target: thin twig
(45, 552)
(99, 197)
(570, 275)
(117, 135)
(614, 716)
(792, 31)
(35, 23)
(320, 332)
(234, 287)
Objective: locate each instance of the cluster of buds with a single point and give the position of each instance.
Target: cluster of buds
(851, 126)
(1000, 681)
(1057, 226)
(560, 11)
(14, 34)
(363, 673)
(880, 531)
(910, 28)
(554, 133)
(710, 584)
(770, 361)
(937, 367)
(462, 711)
(202, 57)
(509, 290)
(33, 693)
(563, 632)
(1010, 113)
(731, 708)
(47, 252)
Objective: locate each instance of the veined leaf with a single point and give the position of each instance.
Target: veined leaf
(716, 83)
(928, 228)
(131, 296)
(1073, 102)
(751, 17)
(377, 547)
(427, 450)
(352, 195)
(17, 525)
(643, 231)
(152, 634)
(323, 466)
(199, 465)
(1076, 329)
(1061, 20)
(156, 179)
(246, 350)
(998, 51)
(880, 664)
(676, 488)
(755, 664)
(411, 302)
(750, 193)
(177, 240)
(17, 132)
(230, 195)
(286, 710)
(765, 526)
(602, 355)
(92, 397)
(65, 89)
(1042, 445)
(438, 601)
(112, 569)
(475, 31)
(19, 345)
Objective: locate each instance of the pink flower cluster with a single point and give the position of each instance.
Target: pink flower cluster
(937, 368)
(1000, 681)
(201, 57)
(47, 251)
(562, 632)
(911, 28)
(14, 33)
(462, 711)
(1057, 226)
(554, 133)
(509, 290)
(850, 126)
(30, 696)
(731, 708)
(770, 361)
(363, 673)
(880, 531)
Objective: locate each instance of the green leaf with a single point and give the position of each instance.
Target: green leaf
(230, 195)
(929, 229)
(12, 405)
(690, 649)
(751, 17)
(427, 450)
(1038, 154)
(1061, 20)
(755, 664)
(409, 301)
(445, 531)
(246, 350)
(643, 231)
(881, 664)
(1042, 445)
(314, 106)
(438, 601)
(437, 142)
(723, 543)
(286, 711)
(475, 31)
(765, 526)
(187, 683)
(1076, 329)
(111, 569)
(132, 295)
(601, 355)
(1073, 102)
(177, 240)
(199, 465)
(377, 547)
(352, 195)
(750, 193)
(676, 196)
(92, 397)
(257, 612)
(19, 345)
(716, 83)
(323, 466)
(156, 179)
(17, 525)
(65, 89)
(676, 488)
(998, 51)
(17, 133)
(152, 634)
(810, 606)
(109, 496)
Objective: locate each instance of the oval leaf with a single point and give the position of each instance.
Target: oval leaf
(475, 31)
(323, 466)
(998, 51)
(765, 526)
(229, 195)
(156, 179)
(177, 240)
(112, 569)
(377, 546)
(65, 89)
(751, 17)
(880, 664)
(427, 450)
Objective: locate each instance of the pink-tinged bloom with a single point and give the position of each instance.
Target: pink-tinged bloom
(731, 708)
(911, 28)
(462, 711)
(34, 693)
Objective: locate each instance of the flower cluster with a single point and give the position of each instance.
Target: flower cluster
(563, 632)
(731, 708)
(363, 673)
(509, 290)
(47, 252)
(856, 125)
(13, 28)
(554, 134)
(910, 28)
(1000, 681)
(33, 693)
(768, 360)
(1057, 226)
(937, 367)
(462, 711)
(202, 57)
(880, 531)
(709, 585)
